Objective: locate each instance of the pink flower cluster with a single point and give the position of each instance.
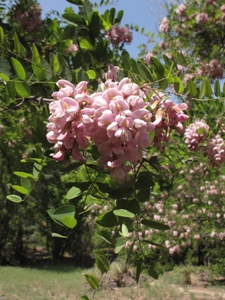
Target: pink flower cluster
(195, 134)
(216, 150)
(164, 26)
(201, 18)
(29, 19)
(118, 34)
(180, 10)
(116, 119)
(72, 48)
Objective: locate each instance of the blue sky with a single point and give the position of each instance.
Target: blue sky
(144, 13)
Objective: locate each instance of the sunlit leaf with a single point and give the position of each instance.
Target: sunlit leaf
(73, 193)
(123, 213)
(57, 235)
(92, 280)
(101, 261)
(14, 198)
(18, 68)
(20, 189)
(69, 221)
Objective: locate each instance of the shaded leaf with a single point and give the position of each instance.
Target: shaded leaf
(155, 225)
(101, 261)
(138, 269)
(107, 219)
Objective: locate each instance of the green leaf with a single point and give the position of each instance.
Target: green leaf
(20, 189)
(17, 66)
(119, 16)
(26, 183)
(158, 66)
(107, 220)
(123, 213)
(178, 85)
(23, 175)
(54, 63)
(61, 212)
(121, 192)
(74, 19)
(93, 281)
(14, 198)
(69, 221)
(217, 88)
(4, 77)
(138, 269)
(105, 236)
(73, 193)
(94, 23)
(76, 2)
(57, 235)
(144, 71)
(101, 261)
(84, 297)
(35, 55)
(2, 36)
(155, 225)
(85, 44)
(124, 231)
(192, 87)
(18, 47)
(5, 67)
(120, 244)
(143, 195)
(144, 181)
(152, 273)
(205, 89)
(91, 74)
(22, 89)
(36, 170)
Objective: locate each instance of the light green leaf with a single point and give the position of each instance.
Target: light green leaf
(124, 231)
(91, 74)
(73, 193)
(4, 77)
(2, 36)
(23, 175)
(120, 244)
(20, 189)
(85, 44)
(14, 198)
(17, 66)
(54, 63)
(35, 55)
(84, 297)
(57, 235)
(69, 221)
(93, 281)
(123, 213)
(22, 89)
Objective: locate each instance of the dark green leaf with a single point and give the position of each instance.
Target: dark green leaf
(119, 16)
(152, 273)
(74, 19)
(84, 297)
(76, 2)
(144, 181)
(143, 195)
(155, 225)
(105, 236)
(2, 36)
(138, 269)
(178, 85)
(121, 192)
(94, 23)
(54, 63)
(26, 182)
(5, 67)
(158, 66)
(192, 88)
(144, 71)
(107, 219)
(101, 261)
(217, 88)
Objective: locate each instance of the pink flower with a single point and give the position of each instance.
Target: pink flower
(201, 18)
(72, 48)
(195, 134)
(216, 150)
(164, 26)
(118, 34)
(180, 10)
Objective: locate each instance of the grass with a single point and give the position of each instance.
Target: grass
(68, 283)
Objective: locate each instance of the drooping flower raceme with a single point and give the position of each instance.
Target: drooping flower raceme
(118, 120)
(216, 150)
(195, 134)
